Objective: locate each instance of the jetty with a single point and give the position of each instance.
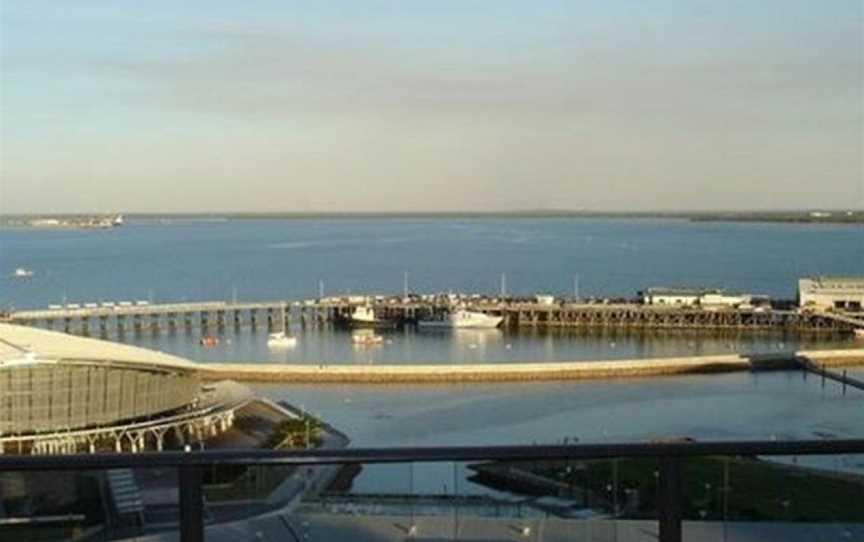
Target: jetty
(104, 317)
(521, 372)
(814, 366)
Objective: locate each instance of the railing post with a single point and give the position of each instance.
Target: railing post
(191, 503)
(669, 499)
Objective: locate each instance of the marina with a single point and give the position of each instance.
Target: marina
(430, 310)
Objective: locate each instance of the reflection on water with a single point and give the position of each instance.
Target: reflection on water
(412, 345)
(735, 406)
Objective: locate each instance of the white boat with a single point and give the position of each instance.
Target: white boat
(118, 220)
(463, 318)
(366, 339)
(22, 273)
(281, 340)
(364, 315)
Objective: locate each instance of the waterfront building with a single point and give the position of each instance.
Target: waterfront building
(697, 297)
(64, 394)
(845, 293)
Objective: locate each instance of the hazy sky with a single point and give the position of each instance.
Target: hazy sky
(413, 105)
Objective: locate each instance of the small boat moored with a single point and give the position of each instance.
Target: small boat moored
(209, 341)
(364, 316)
(281, 340)
(366, 339)
(463, 319)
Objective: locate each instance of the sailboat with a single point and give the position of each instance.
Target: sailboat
(281, 339)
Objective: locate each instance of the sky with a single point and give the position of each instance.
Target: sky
(296, 106)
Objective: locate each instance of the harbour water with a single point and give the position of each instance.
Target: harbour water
(213, 259)
(736, 406)
(181, 260)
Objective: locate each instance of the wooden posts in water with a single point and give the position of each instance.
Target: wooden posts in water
(515, 312)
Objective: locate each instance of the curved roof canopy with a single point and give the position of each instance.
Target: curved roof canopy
(26, 345)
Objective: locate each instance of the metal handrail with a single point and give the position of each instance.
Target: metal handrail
(675, 449)
(190, 465)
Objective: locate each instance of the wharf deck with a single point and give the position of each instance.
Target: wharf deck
(141, 310)
(515, 312)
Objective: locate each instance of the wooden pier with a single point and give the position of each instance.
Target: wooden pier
(206, 315)
(169, 316)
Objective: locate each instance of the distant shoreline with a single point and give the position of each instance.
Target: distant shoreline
(855, 217)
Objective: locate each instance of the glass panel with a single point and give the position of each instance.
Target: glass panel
(87, 505)
(788, 498)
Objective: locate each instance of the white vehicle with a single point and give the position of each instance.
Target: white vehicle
(462, 319)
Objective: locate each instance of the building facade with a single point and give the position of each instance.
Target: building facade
(841, 293)
(694, 297)
(65, 394)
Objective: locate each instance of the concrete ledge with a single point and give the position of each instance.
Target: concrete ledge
(835, 358)
(517, 372)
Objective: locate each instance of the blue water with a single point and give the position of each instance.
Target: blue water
(263, 259)
(266, 259)
(181, 260)
(738, 406)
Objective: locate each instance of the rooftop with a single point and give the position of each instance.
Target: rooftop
(683, 291)
(19, 343)
(821, 279)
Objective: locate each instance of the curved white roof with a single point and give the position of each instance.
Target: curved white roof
(18, 344)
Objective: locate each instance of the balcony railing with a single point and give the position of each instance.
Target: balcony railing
(672, 463)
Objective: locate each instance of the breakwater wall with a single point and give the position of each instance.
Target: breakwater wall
(521, 372)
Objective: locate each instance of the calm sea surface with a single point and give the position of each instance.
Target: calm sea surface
(181, 260)
(742, 406)
(267, 259)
